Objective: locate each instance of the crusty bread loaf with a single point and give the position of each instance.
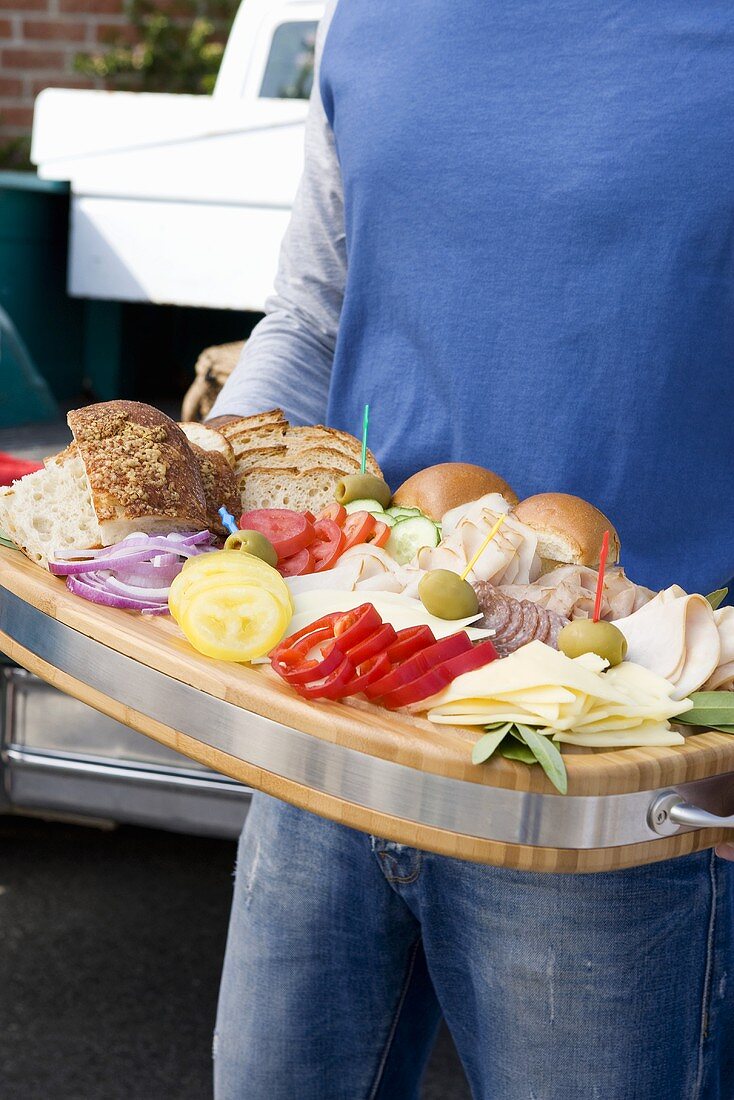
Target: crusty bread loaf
(51, 510)
(307, 438)
(310, 458)
(264, 430)
(141, 471)
(220, 486)
(278, 466)
(258, 420)
(209, 439)
(303, 491)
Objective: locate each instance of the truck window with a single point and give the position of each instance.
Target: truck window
(289, 69)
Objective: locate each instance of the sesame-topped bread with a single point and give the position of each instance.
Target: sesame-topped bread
(220, 486)
(141, 471)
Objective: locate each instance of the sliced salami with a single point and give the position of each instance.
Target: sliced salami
(495, 608)
(544, 625)
(557, 623)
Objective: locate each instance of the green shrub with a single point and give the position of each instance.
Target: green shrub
(178, 51)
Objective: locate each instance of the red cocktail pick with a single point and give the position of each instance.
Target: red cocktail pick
(600, 582)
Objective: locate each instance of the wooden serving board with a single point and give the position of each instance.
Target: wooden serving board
(354, 756)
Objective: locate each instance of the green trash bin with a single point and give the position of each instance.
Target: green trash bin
(34, 230)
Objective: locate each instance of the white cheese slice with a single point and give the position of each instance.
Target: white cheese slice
(398, 610)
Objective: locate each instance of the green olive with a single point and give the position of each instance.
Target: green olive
(586, 636)
(252, 542)
(362, 487)
(447, 596)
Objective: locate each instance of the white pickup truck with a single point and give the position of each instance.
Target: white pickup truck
(183, 199)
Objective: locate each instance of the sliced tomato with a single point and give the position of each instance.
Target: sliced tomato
(328, 545)
(288, 531)
(409, 641)
(380, 535)
(296, 565)
(357, 529)
(336, 512)
(416, 666)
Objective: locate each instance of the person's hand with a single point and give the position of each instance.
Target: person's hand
(726, 851)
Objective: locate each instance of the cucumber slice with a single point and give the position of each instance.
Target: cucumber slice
(409, 535)
(383, 517)
(364, 505)
(403, 513)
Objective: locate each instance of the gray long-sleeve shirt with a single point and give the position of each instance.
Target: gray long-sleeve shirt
(287, 360)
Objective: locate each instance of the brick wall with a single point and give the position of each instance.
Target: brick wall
(38, 42)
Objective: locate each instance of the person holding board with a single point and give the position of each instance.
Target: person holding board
(513, 238)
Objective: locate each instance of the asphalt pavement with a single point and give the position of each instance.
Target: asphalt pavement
(111, 945)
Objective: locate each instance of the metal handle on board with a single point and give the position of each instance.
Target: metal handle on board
(669, 813)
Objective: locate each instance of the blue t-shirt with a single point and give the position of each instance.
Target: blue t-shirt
(539, 210)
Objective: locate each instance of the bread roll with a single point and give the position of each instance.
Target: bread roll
(569, 529)
(438, 489)
(141, 472)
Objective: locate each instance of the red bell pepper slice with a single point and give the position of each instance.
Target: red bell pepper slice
(366, 673)
(409, 641)
(352, 626)
(436, 679)
(331, 686)
(370, 646)
(420, 663)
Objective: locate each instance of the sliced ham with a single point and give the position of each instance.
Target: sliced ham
(722, 678)
(674, 635)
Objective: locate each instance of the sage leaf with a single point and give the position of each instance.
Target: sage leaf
(517, 750)
(710, 708)
(487, 745)
(717, 598)
(547, 755)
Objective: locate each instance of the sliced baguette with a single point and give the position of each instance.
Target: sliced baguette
(300, 490)
(253, 431)
(209, 439)
(312, 458)
(51, 510)
(244, 423)
(303, 438)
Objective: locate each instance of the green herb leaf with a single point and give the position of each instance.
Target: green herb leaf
(516, 750)
(487, 745)
(717, 598)
(547, 755)
(710, 708)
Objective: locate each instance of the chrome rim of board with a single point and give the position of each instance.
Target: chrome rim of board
(453, 805)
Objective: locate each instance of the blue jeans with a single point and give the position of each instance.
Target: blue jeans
(345, 950)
